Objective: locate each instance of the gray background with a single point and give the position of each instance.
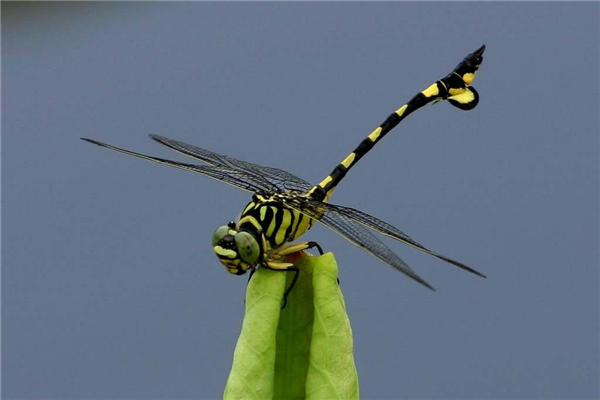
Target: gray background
(109, 285)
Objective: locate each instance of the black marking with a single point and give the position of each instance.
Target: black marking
(249, 207)
(310, 245)
(418, 101)
(364, 146)
(442, 89)
(228, 243)
(454, 81)
(390, 123)
(470, 64)
(318, 193)
(300, 218)
(254, 213)
(269, 215)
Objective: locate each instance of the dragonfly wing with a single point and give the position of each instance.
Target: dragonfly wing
(234, 177)
(278, 178)
(355, 233)
(389, 230)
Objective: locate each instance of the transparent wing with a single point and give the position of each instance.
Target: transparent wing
(274, 178)
(353, 232)
(236, 177)
(390, 231)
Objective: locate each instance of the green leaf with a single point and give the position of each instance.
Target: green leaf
(301, 352)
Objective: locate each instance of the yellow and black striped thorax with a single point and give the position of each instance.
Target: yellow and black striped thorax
(267, 215)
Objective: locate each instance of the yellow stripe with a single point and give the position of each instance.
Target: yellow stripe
(234, 263)
(266, 245)
(468, 77)
(248, 207)
(328, 195)
(401, 110)
(285, 222)
(279, 265)
(252, 220)
(325, 181)
(431, 91)
(225, 252)
(348, 160)
(303, 226)
(273, 224)
(375, 134)
(464, 98)
(263, 213)
(294, 248)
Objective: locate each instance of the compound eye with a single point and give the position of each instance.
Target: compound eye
(247, 247)
(219, 234)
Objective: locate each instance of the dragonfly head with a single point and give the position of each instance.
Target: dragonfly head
(238, 251)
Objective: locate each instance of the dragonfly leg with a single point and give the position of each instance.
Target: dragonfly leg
(284, 267)
(294, 248)
(315, 244)
(289, 289)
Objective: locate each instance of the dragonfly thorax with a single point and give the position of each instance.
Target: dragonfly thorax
(272, 221)
(237, 250)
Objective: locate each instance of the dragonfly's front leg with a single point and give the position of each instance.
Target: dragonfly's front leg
(278, 254)
(283, 267)
(294, 248)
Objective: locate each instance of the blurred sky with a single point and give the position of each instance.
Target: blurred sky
(110, 288)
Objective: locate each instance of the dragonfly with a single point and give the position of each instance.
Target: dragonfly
(284, 206)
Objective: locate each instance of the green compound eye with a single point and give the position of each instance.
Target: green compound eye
(247, 247)
(219, 234)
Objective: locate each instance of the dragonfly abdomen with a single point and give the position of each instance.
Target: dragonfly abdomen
(454, 87)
